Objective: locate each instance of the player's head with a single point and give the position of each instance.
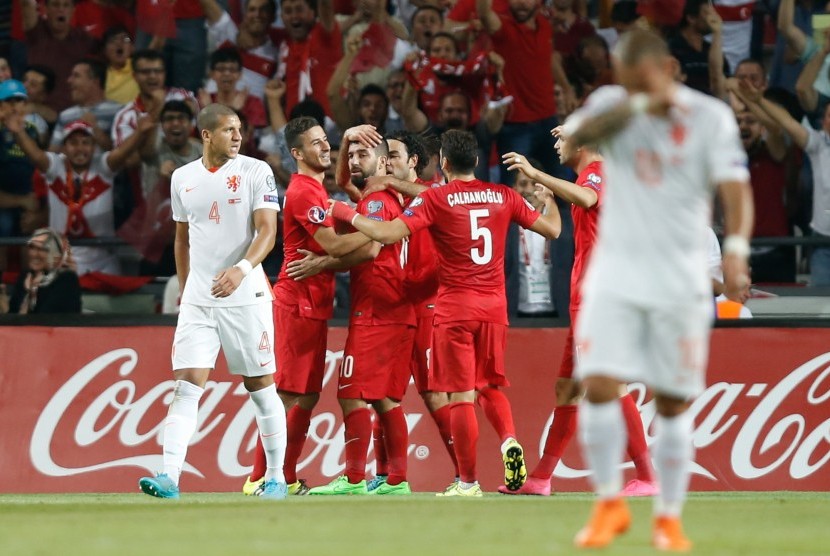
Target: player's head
(569, 155)
(308, 143)
(642, 63)
(526, 187)
(298, 17)
(221, 131)
(459, 152)
(176, 123)
(79, 144)
(365, 161)
(523, 10)
(407, 155)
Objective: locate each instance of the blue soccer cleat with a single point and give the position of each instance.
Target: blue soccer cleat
(376, 482)
(273, 490)
(160, 486)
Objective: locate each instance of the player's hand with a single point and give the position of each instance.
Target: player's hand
(377, 183)
(364, 134)
(736, 278)
(557, 131)
(275, 89)
(749, 93)
(515, 161)
(226, 282)
(543, 193)
(310, 265)
(145, 124)
(341, 211)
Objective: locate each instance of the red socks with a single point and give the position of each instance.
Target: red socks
(441, 416)
(378, 443)
(496, 407)
(637, 447)
(396, 436)
(358, 436)
(465, 437)
(561, 431)
(297, 422)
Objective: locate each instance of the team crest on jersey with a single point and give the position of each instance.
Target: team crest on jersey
(234, 182)
(271, 183)
(316, 215)
(416, 202)
(595, 179)
(374, 206)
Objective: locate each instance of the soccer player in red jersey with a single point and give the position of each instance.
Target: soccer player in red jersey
(302, 308)
(375, 367)
(468, 221)
(585, 197)
(407, 157)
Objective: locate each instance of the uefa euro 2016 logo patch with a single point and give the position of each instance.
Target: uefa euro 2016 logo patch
(416, 202)
(374, 206)
(316, 215)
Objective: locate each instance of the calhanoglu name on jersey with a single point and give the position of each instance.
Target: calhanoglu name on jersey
(475, 197)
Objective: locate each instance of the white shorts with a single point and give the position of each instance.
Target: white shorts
(245, 334)
(665, 347)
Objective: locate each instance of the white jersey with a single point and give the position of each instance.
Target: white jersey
(652, 245)
(218, 207)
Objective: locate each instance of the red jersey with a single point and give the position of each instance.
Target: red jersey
(304, 213)
(524, 48)
(585, 227)
(465, 10)
(307, 66)
(377, 286)
(421, 270)
(468, 221)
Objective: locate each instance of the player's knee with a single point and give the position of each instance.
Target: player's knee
(600, 389)
(567, 391)
(435, 400)
(668, 406)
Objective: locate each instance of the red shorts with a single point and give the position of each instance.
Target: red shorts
(300, 350)
(376, 362)
(467, 355)
(421, 353)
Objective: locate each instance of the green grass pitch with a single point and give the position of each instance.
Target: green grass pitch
(777, 523)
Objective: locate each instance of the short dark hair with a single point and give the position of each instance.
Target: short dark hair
(114, 31)
(97, 70)
(691, 9)
(225, 54)
(146, 54)
(445, 35)
(208, 118)
(425, 7)
(47, 73)
(751, 62)
(178, 106)
(295, 128)
(460, 148)
(415, 146)
(373, 89)
(625, 11)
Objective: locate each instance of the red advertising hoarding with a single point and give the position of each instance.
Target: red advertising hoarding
(81, 410)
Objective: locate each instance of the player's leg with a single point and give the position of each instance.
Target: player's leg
(195, 347)
(381, 457)
(679, 350)
(645, 483)
(438, 405)
(396, 439)
(490, 342)
(609, 345)
(454, 372)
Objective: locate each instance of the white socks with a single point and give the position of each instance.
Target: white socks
(270, 419)
(673, 453)
(179, 426)
(602, 434)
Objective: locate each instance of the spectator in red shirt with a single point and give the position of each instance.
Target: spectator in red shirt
(568, 30)
(226, 71)
(53, 42)
(96, 16)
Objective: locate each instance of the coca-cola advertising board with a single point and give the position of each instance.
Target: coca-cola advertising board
(82, 410)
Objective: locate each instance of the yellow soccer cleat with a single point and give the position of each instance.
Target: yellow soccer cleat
(253, 488)
(456, 489)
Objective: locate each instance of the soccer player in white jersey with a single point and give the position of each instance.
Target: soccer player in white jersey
(647, 304)
(225, 207)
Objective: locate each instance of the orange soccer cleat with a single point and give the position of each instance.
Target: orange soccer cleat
(668, 535)
(609, 519)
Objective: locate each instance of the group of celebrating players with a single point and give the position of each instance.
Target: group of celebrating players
(428, 299)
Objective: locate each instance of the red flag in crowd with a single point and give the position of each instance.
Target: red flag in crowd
(376, 49)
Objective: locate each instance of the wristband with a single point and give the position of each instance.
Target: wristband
(736, 245)
(638, 103)
(245, 266)
(343, 212)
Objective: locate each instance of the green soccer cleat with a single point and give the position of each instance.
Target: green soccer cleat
(253, 488)
(298, 489)
(515, 470)
(400, 489)
(340, 486)
(456, 489)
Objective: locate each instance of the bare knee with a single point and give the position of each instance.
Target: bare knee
(435, 400)
(567, 391)
(601, 389)
(669, 406)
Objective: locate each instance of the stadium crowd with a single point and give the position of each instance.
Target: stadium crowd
(108, 92)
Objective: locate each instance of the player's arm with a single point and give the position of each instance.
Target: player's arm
(783, 118)
(549, 224)
(736, 197)
(33, 152)
(181, 251)
(804, 89)
(489, 19)
(325, 14)
(380, 183)
(228, 280)
(339, 245)
(132, 145)
(584, 197)
(379, 230)
(312, 264)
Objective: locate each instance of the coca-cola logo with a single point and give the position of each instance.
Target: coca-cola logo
(119, 409)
